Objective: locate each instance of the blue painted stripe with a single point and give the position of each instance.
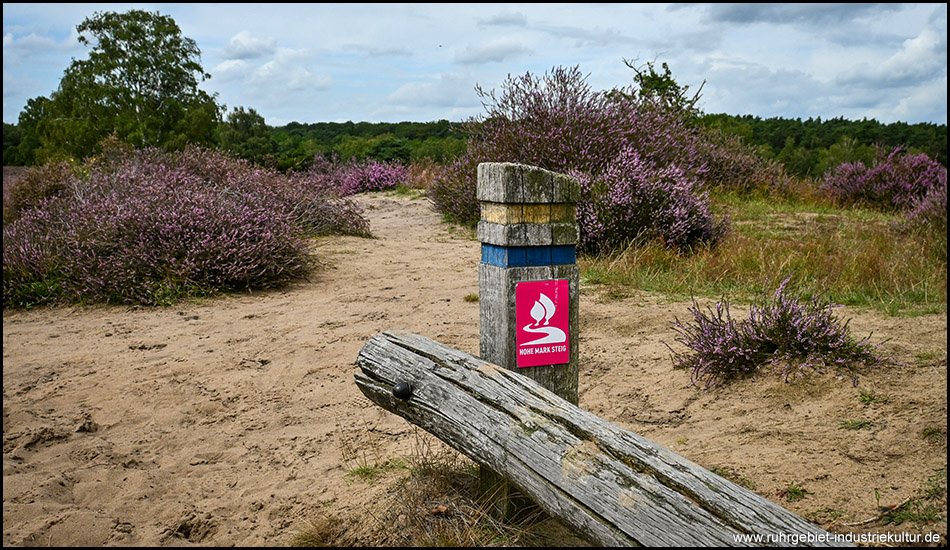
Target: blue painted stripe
(528, 256)
(564, 254)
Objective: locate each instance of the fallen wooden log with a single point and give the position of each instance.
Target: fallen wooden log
(609, 484)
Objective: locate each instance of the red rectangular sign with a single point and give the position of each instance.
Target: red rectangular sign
(542, 316)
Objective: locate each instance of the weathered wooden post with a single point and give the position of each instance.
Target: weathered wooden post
(528, 284)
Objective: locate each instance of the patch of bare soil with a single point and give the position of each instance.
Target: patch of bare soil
(236, 421)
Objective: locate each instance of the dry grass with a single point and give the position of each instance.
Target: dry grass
(422, 173)
(849, 257)
(435, 502)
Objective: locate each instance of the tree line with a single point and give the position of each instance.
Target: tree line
(243, 133)
(809, 148)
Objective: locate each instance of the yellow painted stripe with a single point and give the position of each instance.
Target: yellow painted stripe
(563, 213)
(535, 213)
(509, 214)
(496, 212)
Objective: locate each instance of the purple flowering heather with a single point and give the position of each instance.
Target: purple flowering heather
(36, 185)
(371, 175)
(635, 199)
(352, 177)
(152, 227)
(913, 185)
(896, 181)
(928, 216)
(780, 334)
(559, 123)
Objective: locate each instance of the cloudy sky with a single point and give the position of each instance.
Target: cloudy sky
(421, 62)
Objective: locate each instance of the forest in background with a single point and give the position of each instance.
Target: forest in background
(806, 148)
(809, 148)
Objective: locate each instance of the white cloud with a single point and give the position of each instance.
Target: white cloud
(286, 65)
(279, 83)
(791, 13)
(23, 49)
(922, 103)
(506, 19)
(446, 90)
(499, 50)
(783, 92)
(378, 51)
(920, 58)
(303, 80)
(597, 37)
(230, 69)
(244, 46)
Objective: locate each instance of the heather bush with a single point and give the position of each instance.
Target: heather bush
(928, 217)
(352, 177)
(781, 334)
(371, 175)
(896, 180)
(731, 165)
(453, 195)
(633, 199)
(153, 227)
(559, 123)
(312, 198)
(913, 185)
(37, 185)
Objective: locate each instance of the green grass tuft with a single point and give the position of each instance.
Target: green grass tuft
(794, 492)
(855, 425)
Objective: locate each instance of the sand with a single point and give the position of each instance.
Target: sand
(236, 421)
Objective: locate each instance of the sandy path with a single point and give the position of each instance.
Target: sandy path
(234, 420)
(221, 422)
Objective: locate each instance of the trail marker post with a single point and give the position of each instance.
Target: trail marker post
(528, 284)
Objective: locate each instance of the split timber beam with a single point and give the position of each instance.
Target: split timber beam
(610, 485)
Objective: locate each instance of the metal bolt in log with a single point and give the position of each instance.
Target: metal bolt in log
(402, 390)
